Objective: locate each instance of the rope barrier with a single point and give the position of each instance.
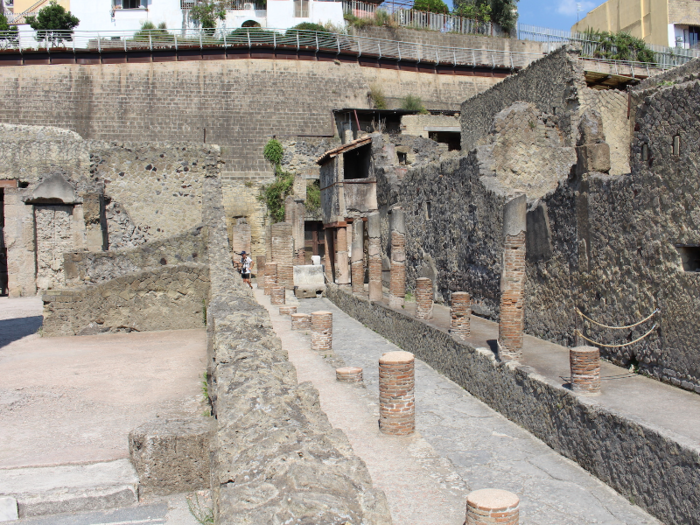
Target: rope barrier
(578, 333)
(579, 312)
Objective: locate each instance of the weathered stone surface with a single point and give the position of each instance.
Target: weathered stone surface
(284, 462)
(172, 455)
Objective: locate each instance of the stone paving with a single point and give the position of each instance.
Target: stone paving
(461, 444)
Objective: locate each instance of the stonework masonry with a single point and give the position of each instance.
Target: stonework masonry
(375, 257)
(358, 257)
(248, 369)
(301, 321)
(585, 369)
(424, 298)
(283, 253)
(460, 313)
(322, 331)
(397, 398)
(270, 277)
(397, 287)
(664, 478)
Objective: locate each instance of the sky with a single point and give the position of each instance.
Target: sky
(556, 14)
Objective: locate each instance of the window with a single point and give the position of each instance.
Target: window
(301, 8)
(129, 4)
(356, 163)
(403, 157)
(690, 257)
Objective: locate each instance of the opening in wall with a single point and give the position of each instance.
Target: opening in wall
(677, 145)
(403, 158)
(690, 257)
(645, 152)
(428, 210)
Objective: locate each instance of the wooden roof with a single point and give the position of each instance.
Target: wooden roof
(331, 153)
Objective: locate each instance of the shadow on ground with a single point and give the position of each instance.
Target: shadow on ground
(14, 329)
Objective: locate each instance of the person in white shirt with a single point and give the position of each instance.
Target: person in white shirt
(246, 265)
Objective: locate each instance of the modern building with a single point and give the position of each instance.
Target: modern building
(125, 15)
(674, 23)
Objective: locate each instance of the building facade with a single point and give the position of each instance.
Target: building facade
(674, 23)
(127, 15)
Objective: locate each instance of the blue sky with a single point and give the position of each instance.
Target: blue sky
(557, 14)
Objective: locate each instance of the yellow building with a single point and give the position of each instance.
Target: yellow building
(661, 22)
(22, 6)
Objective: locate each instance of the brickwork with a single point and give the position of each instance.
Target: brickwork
(301, 321)
(375, 257)
(270, 277)
(512, 322)
(259, 268)
(397, 408)
(424, 298)
(282, 253)
(461, 312)
(397, 287)
(342, 271)
(321, 331)
(277, 295)
(240, 237)
(349, 374)
(288, 310)
(358, 257)
(492, 507)
(585, 369)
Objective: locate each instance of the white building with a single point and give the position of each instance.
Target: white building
(126, 15)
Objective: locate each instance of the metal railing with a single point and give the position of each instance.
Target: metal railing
(412, 19)
(28, 41)
(665, 57)
(231, 5)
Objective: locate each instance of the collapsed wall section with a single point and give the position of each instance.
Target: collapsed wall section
(275, 455)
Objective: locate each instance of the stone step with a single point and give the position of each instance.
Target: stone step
(41, 491)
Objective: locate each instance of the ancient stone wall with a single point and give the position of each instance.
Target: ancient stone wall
(663, 479)
(167, 298)
(285, 462)
(97, 267)
(611, 104)
(552, 84)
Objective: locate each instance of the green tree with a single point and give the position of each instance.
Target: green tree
(207, 13)
(479, 10)
(618, 46)
(53, 23)
(431, 6)
(502, 12)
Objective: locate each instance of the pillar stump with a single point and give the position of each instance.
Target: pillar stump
(424, 298)
(349, 374)
(585, 369)
(270, 277)
(397, 408)
(277, 295)
(460, 312)
(492, 507)
(288, 310)
(321, 331)
(301, 321)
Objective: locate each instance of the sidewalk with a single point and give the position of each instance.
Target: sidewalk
(460, 444)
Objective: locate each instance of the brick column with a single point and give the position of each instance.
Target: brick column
(424, 298)
(512, 322)
(277, 295)
(585, 369)
(327, 266)
(349, 374)
(288, 310)
(342, 270)
(241, 237)
(397, 286)
(375, 257)
(321, 331)
(397, 409)
(301, 321)
(282, 253)
(460, 312)
(358, 256)
(294, 212)
(492, 507)
(270, 277)
(260, 269)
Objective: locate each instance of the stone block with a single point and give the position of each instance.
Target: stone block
(172, 456)
(8, 509)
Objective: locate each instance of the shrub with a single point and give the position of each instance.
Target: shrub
(7, 32)
(274, 194)
(413, 103)
(207, 13)
(377, 96)
(618, 46)
(274, 152)
(53, 23)
(431, 6)
(479, 10)
(309, 26)
(313, 196)
(159, 34)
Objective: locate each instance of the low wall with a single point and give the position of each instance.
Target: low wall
(658, 473)
(97, 267)
(165, 298)
(276, 458)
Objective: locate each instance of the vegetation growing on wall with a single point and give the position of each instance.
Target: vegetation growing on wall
(413, 103)
(376, 95)
(53, 23)
(150, 31)
(7, 32)
(313, 196)
(616, 46)
(274, 194)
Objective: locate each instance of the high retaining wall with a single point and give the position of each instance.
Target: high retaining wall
(166, 298)
(276, 458)
(659, 472)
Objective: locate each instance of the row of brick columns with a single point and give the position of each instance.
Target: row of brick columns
(374, 251)
(397, 410)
